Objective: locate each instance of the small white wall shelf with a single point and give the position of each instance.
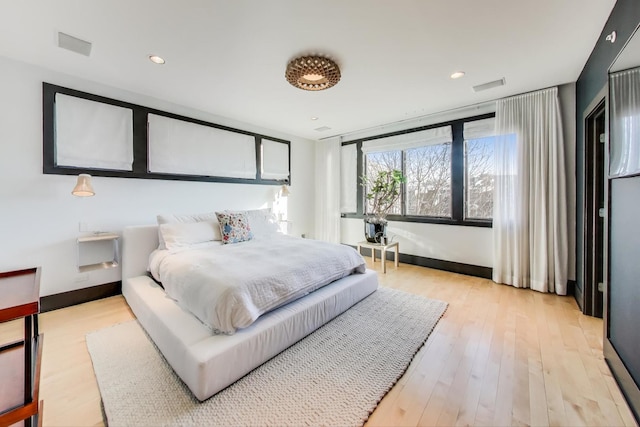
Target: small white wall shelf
(98, 251)
(284, 226)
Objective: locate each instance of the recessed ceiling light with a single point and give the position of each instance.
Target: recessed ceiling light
(314, 118)
(156, 59)
(457, 74)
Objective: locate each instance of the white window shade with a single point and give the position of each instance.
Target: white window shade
(478, 129)
(180, 147)
(348, 178)
(92, 134)
(275, 160)
(406, 141)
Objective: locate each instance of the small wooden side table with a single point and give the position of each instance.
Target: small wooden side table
(383, 252)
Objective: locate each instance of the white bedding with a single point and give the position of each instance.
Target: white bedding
(229, 286)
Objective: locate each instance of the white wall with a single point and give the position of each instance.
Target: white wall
(466, 245)
(39, 218)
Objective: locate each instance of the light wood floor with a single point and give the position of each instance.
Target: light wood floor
(499, 356)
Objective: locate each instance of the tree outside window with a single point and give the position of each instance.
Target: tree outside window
(428, 188)
(378, 162)
(479, 178)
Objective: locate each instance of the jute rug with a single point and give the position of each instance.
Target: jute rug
(334, 377)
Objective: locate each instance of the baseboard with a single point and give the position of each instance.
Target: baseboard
(438, 264)
(454, 267)
(577, 294)
(79, 296)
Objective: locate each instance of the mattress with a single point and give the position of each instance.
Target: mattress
(208, 363)
(228, 287)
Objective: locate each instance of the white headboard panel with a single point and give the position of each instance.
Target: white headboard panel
(137, 244)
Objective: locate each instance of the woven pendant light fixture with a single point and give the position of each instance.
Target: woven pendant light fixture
(312, 73)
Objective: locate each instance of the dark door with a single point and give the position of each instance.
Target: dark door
(594, 212)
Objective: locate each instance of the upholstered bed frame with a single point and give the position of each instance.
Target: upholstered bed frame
(208, 363)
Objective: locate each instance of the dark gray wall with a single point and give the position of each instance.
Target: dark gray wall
(622, 314)
(623, 19)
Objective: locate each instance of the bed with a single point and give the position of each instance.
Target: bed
(208, 362)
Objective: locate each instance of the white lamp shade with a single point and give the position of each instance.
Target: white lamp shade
(83, 187)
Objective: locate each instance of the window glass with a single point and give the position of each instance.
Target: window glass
(449, 170)
(377, 162)
(479, 178)
(428, 186)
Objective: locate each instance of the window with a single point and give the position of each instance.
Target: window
(86, 133)
(424, 156)
(448, 169)
(479, 177)
(624, 122)
(479, 170)
(383, 161)
(428, 187)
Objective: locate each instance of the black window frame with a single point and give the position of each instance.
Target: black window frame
(457, 177)
(140, 143)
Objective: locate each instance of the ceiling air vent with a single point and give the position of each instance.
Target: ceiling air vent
(489, 85)
(322, 128)
(74, 44)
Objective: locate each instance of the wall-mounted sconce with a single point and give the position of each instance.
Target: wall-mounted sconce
(83, 187)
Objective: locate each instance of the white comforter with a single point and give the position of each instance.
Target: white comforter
(229, 286)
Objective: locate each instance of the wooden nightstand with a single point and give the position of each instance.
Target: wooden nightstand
(383, 252)
(20, 360)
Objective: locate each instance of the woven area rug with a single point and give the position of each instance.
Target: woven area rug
(334, 377)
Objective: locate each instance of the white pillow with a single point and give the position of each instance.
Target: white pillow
(187, 218)
(262, 222)
(173, 218)
(185, 234)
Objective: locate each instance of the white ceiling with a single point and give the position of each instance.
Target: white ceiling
(228, 57)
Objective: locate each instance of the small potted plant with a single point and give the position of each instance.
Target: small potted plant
(383, 190)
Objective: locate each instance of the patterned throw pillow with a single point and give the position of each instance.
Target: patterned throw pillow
(234, 227)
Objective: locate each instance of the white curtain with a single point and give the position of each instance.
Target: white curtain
(625, 123)
(328, 190)
(530, 206)
(349, 178)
